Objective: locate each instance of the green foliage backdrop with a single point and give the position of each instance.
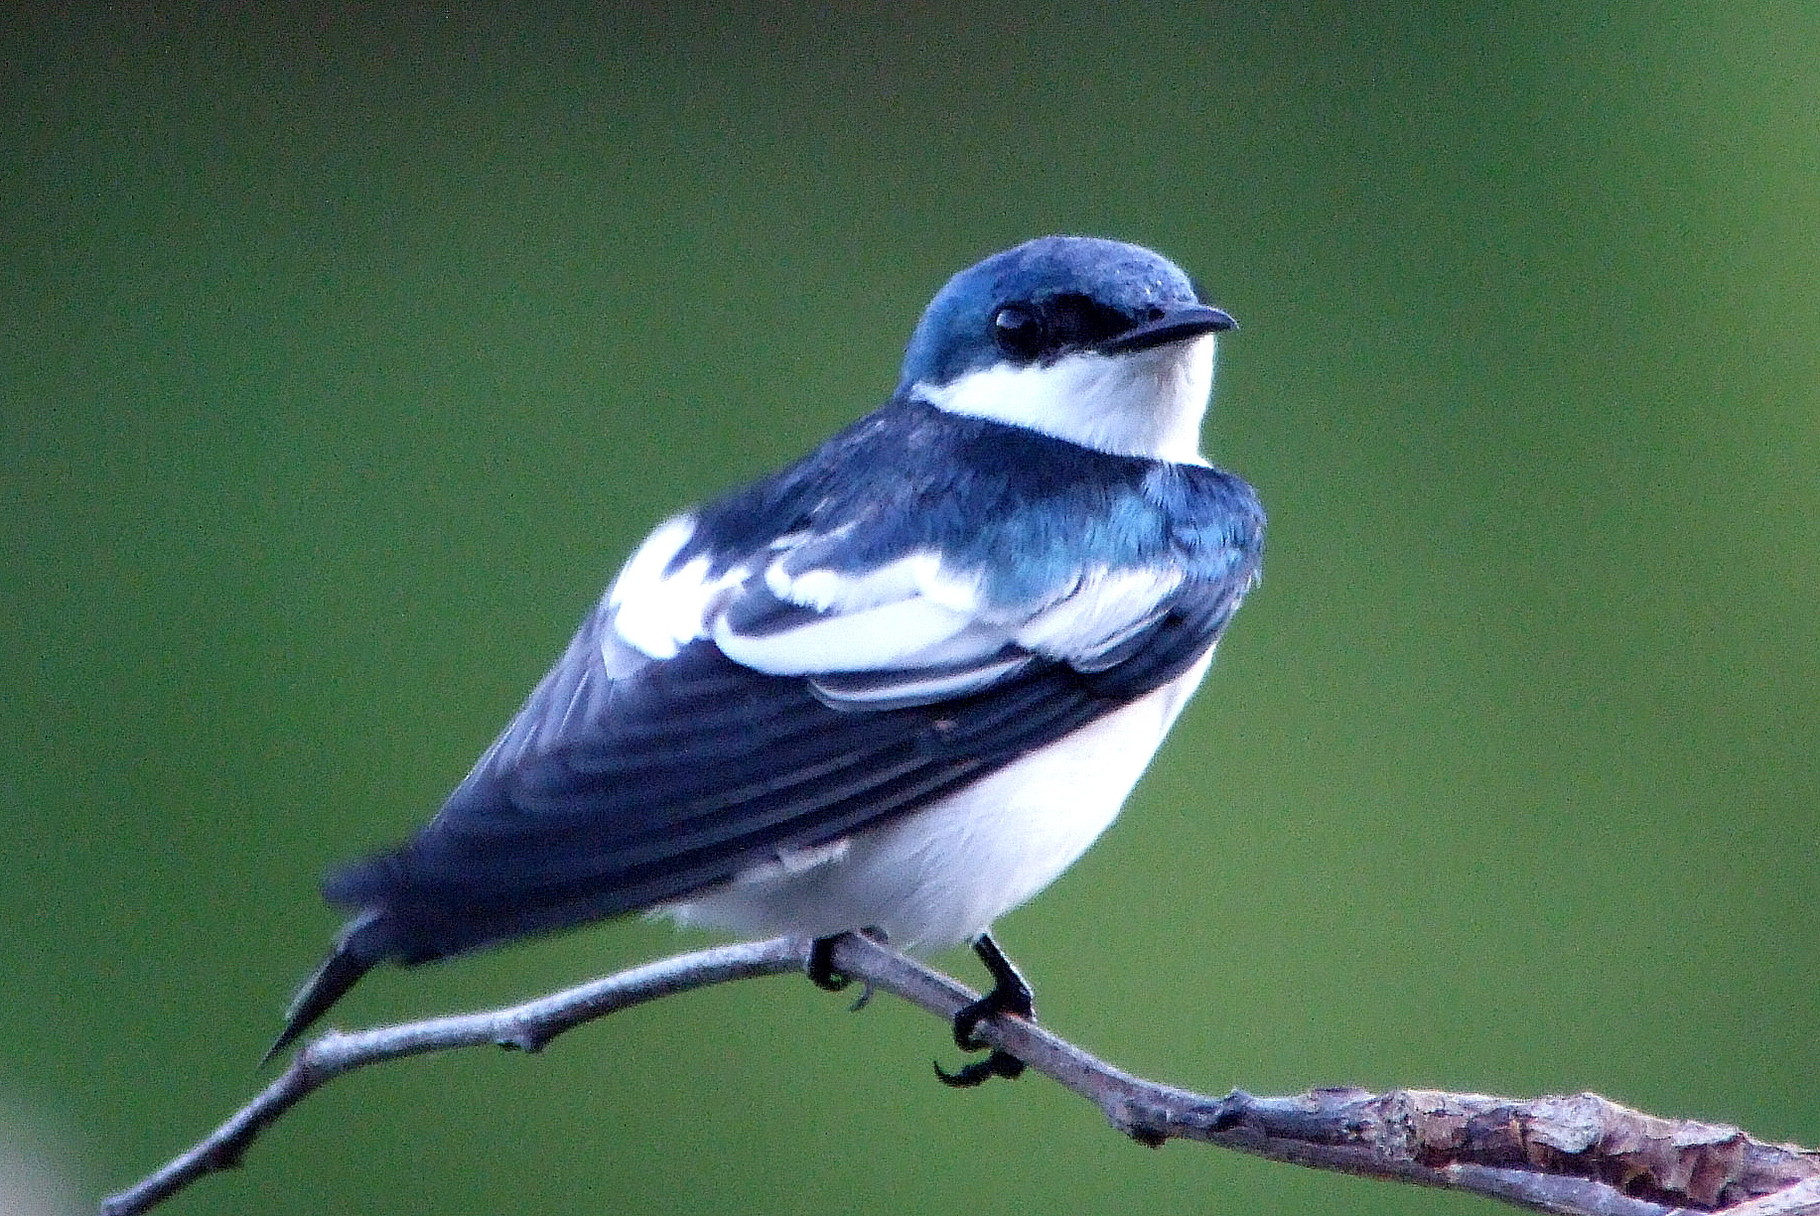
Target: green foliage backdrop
(349, 348)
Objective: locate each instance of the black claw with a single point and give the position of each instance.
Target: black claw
(978, 1072)
(1010, 994)
(821, 965)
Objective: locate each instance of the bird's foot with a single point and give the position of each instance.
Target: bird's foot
(821, 965)
(1010, 994)
(824, 975)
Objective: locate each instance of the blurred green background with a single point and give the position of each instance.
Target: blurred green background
(348, 349)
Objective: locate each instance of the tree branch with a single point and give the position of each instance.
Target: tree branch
(1581, 1155)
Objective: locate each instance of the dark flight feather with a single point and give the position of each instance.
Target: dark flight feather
(629, 781)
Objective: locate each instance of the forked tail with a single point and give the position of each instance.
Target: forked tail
(363, 945)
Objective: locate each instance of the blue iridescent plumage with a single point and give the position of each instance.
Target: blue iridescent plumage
(899, 684)
(1025, 510)
(1098, 277)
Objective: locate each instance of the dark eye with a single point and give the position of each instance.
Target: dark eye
(1020, 333)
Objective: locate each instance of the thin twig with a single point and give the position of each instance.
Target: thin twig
(1582, 1155)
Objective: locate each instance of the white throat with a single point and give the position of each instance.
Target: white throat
(1148, 403)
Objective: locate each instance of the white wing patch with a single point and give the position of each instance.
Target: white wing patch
(909, 632)
(658, 611)
(914, 632)
(902, 634)
(1107, 607)
(906, 614)
(916, 687)
(916, 575)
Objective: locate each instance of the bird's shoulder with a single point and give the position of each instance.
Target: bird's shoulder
(918, 556)
(1021, 511)
(913, 559)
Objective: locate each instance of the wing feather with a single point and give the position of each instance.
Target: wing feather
(720, 708)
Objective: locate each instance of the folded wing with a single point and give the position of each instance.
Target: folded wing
(718, 710)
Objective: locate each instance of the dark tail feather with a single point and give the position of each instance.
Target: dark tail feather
(360, 949)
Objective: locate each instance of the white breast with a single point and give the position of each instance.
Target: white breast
(941, 876)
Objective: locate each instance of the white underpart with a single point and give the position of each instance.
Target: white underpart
(944, 874)
(1147, 403)
(941, 875)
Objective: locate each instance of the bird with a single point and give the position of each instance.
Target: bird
(896, 687)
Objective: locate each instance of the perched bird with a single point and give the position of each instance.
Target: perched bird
(897, 687)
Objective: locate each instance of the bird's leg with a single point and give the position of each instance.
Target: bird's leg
(1010, 994)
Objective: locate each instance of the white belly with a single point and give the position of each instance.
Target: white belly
(941, 876)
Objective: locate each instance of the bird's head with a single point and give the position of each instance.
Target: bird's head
(1094, 341)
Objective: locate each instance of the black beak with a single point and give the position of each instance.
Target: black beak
(1187, 321)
